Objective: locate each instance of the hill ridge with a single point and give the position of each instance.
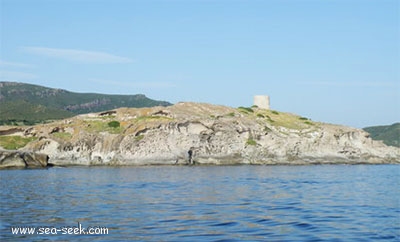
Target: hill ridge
(24, 103)
(389, 134)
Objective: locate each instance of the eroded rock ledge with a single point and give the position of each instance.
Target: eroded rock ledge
(15, 158)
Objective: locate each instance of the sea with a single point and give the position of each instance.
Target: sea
(201, 203)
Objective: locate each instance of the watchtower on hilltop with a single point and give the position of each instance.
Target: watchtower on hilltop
(261, 101)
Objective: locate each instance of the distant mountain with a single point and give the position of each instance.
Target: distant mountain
(390, 134)
(22, 103)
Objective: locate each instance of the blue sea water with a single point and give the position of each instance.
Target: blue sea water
(205, 203)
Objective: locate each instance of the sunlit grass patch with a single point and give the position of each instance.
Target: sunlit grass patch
(95, 126)
(15, 142)
(286, 120)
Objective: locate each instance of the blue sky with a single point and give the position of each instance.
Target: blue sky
(335, 61)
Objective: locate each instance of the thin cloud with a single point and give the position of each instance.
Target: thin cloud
(14, 64)
(351, 84)
(81, 56)
(16, 76)
(133, 84)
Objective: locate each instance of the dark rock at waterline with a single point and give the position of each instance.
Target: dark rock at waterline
(14, 158)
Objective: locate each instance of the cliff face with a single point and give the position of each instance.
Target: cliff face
(215, 134)
(22, 159)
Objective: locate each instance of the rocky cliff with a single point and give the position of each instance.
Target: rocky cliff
(10, 159)
(214, 134)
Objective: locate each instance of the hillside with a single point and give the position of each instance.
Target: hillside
(389, 134)
(22, 103)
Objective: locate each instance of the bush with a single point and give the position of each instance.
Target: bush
(139, 137)
(270, 119)
(275, 112)
(266, 129)
(245, 109)
(114, 124)
(251, 142)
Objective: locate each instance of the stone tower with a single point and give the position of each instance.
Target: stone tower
(261, 101)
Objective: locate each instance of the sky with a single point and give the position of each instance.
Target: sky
(334, 61)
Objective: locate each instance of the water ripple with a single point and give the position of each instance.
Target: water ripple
(229, 203)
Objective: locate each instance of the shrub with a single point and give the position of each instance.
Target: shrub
(139, 137)
(245, 109)
(114, 124)
(275, 112)
(303, 118)
(266, 129)
(260, 115)
(270, 119)
(251, 142)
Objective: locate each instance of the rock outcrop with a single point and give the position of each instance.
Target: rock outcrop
(9, 159)
(215, 134)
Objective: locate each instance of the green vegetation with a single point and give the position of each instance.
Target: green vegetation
(15, 142)
(286, 120)
(139, 137)
(31, 104)
(251, 142)
(150, 118)
(21, 112)
(245, 110)
(389, 134)
(232, 114)
(269, 119)
(95, 126)
(62, 135)
(114, 124)
(108, 117)
(266, 129)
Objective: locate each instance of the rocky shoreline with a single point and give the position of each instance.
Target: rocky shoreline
(19, 159)
(15, 159)
(214, 135)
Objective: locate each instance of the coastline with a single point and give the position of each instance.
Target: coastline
(10, 159)
(203, 133)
